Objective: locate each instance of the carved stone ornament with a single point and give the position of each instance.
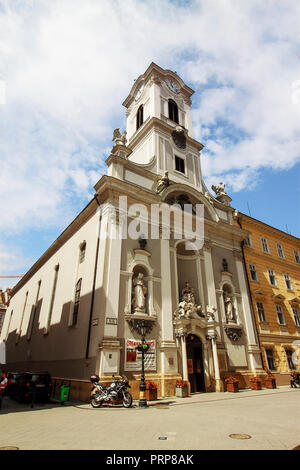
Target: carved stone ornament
(179, 137)
(233, 333)
(136, 325)
(188, 308)
(118, 138)
(209, 197)
(211, 336)
(221, 194)
(219, 189)
(210, 313)
(162, 183)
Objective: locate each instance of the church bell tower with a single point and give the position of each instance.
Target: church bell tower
(159, 126)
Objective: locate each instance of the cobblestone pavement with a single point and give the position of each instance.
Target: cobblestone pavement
(201, 421)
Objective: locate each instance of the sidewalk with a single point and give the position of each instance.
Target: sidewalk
(204, 421)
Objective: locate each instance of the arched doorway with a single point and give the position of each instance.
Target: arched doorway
(195, 363)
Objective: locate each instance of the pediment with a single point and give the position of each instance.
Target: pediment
(294, 300)
(178, 190)
(278, 297)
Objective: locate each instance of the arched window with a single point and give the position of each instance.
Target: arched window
(173, 111)
(82, 248)
(76, 302)
(139, 117)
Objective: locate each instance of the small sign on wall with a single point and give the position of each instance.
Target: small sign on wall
(111, 321)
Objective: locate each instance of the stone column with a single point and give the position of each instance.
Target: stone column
(168, 349)
(167, 314)
(185, 375)
(219, 384)
(108, 282)
(211, 289)
(249, 322)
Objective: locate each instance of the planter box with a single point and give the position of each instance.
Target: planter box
(151, 395)
(181, 392)
(270, 383)
(232, 387)
(255, 385)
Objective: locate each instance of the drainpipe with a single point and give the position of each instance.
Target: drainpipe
(93, 289)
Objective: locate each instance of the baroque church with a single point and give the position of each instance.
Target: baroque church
(78, 310)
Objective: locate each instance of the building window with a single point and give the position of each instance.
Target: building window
(21, 322)
(270, 359)
(56, 269)
(248, 241)
(280, 315)
(296, 316)
(76, 302)
(253, 272)
(173, 111)
(289, 357)
(280, 250)
(272, 277)
(82, 248)
(288, 282)
(265, 246)
(297, 257)
(179, 164)
(261, 311)
(139, 117)
(33, 312)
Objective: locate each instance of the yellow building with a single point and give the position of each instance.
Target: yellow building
(272, 260)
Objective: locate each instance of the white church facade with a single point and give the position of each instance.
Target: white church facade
(77, 311)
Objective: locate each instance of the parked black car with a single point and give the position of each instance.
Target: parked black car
(11, 383)
(33, 386)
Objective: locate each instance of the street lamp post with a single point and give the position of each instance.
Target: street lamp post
(143, 347)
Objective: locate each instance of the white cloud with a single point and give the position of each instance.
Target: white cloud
(68, 65)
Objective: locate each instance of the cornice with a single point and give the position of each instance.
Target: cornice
(269, 228)
(81, 219)
(270, 259)
(164, 126)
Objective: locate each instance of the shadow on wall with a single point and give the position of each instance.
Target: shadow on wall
(62, 350)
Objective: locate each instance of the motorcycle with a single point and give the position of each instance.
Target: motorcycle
(117, 390)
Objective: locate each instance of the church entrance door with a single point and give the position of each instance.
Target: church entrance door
(195, 363)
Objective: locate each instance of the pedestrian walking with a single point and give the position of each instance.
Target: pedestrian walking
(293, 379)
(3, 385)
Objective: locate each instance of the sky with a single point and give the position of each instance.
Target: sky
(66, 66)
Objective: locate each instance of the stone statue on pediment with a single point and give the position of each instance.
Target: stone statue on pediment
(118, 138)
(163, 183)
(219, 189)
(187, 307)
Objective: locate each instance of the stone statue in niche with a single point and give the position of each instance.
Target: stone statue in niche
(225, 265)
(229, 309)
(140, 292)
(188, 308)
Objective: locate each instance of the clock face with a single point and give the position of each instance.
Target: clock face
(172, 85)
(139, 92)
